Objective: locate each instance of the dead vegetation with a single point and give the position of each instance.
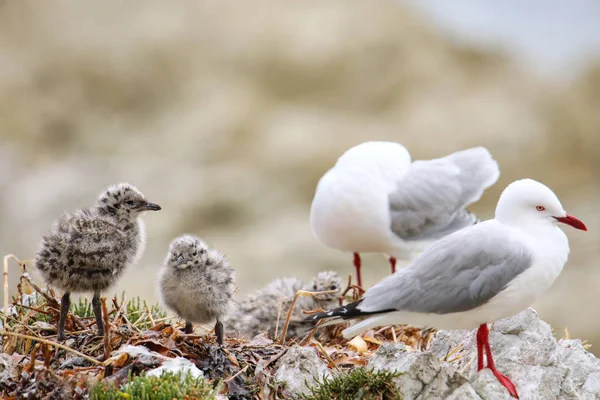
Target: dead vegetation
(140, 338)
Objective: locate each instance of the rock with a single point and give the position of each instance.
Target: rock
(8, 368)
(299, 367)
(424, 377)
(487, 387)
(465, 392)
(177, 365)
(582, 378)
(526, 351)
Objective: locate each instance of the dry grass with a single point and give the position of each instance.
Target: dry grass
(73, 367)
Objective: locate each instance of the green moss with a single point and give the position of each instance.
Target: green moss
(168, 386)
(359, 384)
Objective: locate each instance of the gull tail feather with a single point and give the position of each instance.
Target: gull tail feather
(369, 323)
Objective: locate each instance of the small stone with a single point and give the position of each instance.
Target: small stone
(465, 392)
(8, 368)
(487, 386)
(299, 367)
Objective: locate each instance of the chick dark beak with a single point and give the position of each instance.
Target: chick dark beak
(150, 207)
(571, 220)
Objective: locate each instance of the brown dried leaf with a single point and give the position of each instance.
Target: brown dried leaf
(231, 357)
(44, 326)
(120, 360)
(17, 358)
(159, 327)
(352, 359)
(369, 336)
(168, 331)
(359, 344)
(154, 345)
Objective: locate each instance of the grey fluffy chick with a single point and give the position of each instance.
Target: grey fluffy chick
(258, 311)
(89, 250)
(197, 283)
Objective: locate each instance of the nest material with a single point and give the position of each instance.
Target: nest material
(244, 368)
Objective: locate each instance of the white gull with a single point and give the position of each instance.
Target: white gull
(477, 275)
(376, 200)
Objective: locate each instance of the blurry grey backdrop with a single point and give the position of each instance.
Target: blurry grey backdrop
(227, 114)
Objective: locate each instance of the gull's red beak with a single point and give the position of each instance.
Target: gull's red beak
(571, 220)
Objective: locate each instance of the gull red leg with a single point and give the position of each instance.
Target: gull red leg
(357, 267)
(480, 350)
(393, 264)
(504, 380)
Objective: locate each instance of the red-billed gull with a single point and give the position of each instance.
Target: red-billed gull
(477, 275)
(376, 200)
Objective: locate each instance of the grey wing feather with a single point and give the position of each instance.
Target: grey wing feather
(431, 197)
(458, 273)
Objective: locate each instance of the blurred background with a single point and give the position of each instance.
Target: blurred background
(227, 115)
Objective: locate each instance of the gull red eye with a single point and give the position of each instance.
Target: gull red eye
(540, 208)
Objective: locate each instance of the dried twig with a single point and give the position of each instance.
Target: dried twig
(52, 302)
(327, 356)
(149, 314)
(357, 291)
(236, 374)
(452, 352)
(281, 340)
(307, 338)
(6, 258)
(106, 329)
(278, 317)
(276, 357)
(48, 342)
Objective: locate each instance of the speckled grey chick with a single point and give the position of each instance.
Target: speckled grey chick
(197, 283)
(258, 311)
(88, 250)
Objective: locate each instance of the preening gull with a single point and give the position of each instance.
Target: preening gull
(89, 250)
(480, 274)
(376, 200)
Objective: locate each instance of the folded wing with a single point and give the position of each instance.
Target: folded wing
(431, 197)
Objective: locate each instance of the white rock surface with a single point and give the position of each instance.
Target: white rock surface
(524, 349)
(423, 376)
(298, 367)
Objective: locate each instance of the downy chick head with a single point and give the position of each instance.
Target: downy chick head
(328, 280)
(187, 251)
(124, 201)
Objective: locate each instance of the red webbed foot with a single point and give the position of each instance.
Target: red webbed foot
(506, 382)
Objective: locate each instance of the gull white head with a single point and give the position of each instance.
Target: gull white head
(529, 202)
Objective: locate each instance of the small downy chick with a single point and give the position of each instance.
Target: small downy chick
(258, 312)
(197, 283)
(89, 250)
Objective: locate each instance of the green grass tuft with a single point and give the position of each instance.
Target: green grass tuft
(135, 310)
(168, 386)
(358, 384)
(82, 308)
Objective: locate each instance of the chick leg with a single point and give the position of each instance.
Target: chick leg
(65, 302)
(97, 307)
(219, 332)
